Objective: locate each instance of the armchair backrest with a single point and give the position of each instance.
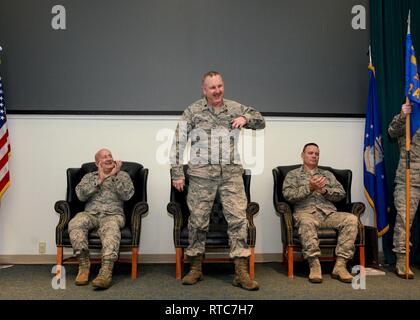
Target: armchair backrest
(344, 176)
(136, 171)
(216, 216)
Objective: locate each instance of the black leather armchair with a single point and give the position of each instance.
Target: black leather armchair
(134, 209)
(292, 249)
(217, 236)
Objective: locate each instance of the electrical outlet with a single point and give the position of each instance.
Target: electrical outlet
(42, 247)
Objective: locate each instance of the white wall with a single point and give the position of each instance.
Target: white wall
(43, 147)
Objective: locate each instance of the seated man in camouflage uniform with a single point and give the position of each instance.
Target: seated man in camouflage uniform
(397, 130)
(312, 191)
(104, 192)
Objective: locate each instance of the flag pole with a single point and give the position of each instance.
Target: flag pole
(407, 178)
(407, 190)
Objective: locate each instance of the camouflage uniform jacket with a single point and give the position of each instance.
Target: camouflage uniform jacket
(213, 140)
(108, 197)
(296, 190)
(397, 130)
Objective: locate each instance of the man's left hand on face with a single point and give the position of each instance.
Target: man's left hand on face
(117, 168)
(239, 122)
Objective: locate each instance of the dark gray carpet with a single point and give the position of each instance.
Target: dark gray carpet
(158, 282)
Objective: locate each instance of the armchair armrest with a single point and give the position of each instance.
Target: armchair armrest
(63, 208)
(285, 212)
(175, 209)
(357, 208)
(251, 210)
(139, 210)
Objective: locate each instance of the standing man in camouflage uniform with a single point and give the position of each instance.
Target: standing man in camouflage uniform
(213, 125)
(104, 192)
(312, 191)
(397, 130)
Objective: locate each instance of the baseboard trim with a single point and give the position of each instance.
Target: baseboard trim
(28, 259)
(142, 258)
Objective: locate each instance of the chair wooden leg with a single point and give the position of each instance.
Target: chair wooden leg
(290, 261)
(59, 256)
(179, 261)
(59, 262)
(252, 264)
(134, 252)
(362, 255)
(182, 261)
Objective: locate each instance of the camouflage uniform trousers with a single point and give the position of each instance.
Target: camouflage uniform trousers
(399, 229)
(309, 223)
(109, 231)
(201, 195)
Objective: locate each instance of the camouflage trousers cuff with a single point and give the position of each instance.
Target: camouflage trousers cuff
(80, 252)
(110, 257)
(241, 253)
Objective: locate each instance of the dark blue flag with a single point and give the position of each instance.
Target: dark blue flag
(373, 156)
(412, 84)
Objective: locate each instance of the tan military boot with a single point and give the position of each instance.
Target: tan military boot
(84, 269)
(340, 271)
(242, 278)
(104, 278)
(400, 267)
(315, 274)
(195, 273)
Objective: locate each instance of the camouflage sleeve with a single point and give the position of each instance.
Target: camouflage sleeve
(254, 119)
(292, 191)
(87, 187)
(179, 143)
(397, 126)
(335, 191)
(123, 185)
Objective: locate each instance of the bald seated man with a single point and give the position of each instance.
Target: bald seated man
(104, 192)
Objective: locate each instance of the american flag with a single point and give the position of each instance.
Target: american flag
(4, 145)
